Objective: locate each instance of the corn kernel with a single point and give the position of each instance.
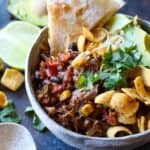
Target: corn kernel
(3, 100)
(86, 110)
(88, 34)
(65, 95)
(12, 79)
(81, 43)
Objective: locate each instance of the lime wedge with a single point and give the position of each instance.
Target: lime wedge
(141, 39)
(22, 10)
(118, 22)
(16, 39)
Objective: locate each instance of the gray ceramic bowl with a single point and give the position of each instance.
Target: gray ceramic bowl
(67, 136)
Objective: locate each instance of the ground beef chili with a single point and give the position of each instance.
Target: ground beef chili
(55, 75)
(52, 77)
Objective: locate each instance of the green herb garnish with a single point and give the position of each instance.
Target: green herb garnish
(141, 38)
(8, 114)
(113, 79)
(115, 67)
(87, 80)
(117, 64)
(38, 125)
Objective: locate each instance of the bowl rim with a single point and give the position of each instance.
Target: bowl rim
(44, 116)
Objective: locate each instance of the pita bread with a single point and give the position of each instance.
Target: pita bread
(67, 17)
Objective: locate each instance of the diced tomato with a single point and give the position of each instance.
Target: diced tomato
(65, 57)
(57, 89)
(110, 117)
(49, 63)
(52, 71)
(51, 67)
(42, 74)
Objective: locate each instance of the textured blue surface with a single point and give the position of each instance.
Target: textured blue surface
(47, 141)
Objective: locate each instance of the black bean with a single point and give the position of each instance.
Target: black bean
(56, 80)
(37, 75)
(73, 46)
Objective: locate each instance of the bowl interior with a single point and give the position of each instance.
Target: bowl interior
(58, 130)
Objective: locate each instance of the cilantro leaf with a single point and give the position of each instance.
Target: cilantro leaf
(115, 68)
(114, 81)
(38, 125)
(8, 114)
(117, 64)
(87, 80)
(29, 110)
(82, 81)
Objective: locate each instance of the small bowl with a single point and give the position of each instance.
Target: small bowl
(71, 138)
(15, 137)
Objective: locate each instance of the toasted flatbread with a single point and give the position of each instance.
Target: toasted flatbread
(67, 17)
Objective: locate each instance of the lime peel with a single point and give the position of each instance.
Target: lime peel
(16, 39)
(22, 9)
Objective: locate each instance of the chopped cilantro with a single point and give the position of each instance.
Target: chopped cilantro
(87, 80)
(115, 67)
(113, 80)
(38, 125)
(82, 81)
(8, 114)
(117, 64)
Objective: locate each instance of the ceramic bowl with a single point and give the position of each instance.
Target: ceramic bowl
(15, 137)
(67, 136)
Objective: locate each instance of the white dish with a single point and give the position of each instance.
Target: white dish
(15, 137)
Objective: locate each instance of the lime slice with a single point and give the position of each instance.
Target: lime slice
(118, 22)
(16, 39)
(141, 39)
(22, 10)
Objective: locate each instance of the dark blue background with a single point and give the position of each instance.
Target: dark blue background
(47, 141)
